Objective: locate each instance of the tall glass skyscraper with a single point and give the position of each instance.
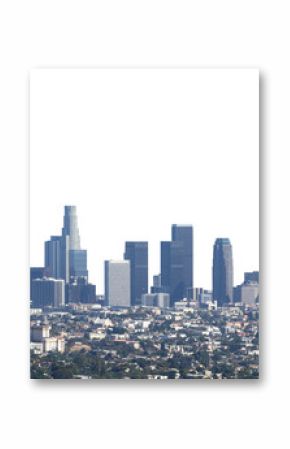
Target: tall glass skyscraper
(78, 264)
(222, 271)
(177, 263)
(184, 234)
(64, 258)
(70, 227)
(52, 257)
(137, 254)
(70, 241)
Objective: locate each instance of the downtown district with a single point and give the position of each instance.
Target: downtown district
(174, 332)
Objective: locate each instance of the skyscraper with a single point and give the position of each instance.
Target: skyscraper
(137, 254)
(117, 283)
(70, 240)
(35, 273)
(70, 227)
(52, 257)
(48, 292)
(78, 264)
(177, 263)
(222, 271)
(184, 234)
(63, 255)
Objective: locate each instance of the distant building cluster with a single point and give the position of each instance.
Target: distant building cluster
(64, 277)
(170, 329)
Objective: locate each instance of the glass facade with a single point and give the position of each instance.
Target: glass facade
(78, 263)
(137, 254)
(222, 271)
(177, 263)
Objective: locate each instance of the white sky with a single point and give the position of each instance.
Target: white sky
(139, 149)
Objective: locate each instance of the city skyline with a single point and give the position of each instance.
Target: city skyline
(183, 148)
(237, 278)
(64, 259)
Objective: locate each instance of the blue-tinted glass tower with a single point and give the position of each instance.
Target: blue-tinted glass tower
(137, 254)
(78, 264)
(177, 263)
(52, 256)
(222, 271)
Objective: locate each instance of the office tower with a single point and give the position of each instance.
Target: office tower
(252, 276)
(35, 273)
(137, 254)
(78, 264)
(172, 269)
(177, 263)
(73, 259)
(222, 271)
(70, 240)
(48, 292)
(81, 292)
(117, 283)
(248, 292)
(70, 227)
(161, 300)
(184, 234)
(52, 257)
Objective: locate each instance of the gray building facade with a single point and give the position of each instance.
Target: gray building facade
(117, 283)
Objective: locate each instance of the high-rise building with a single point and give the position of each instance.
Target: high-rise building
(117, 283)
(248, 292)
(52, 257)
(70, 227)
(137, 254)
(177, 263)
(47, 292)
(78, 264)
(70, 240)
(80, 291)
(184, 234)
(35, 273)
(222, 272)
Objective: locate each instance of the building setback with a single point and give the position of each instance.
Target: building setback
(52, 257)
(177, 263)
(117, 283)
(222, 271)
(70, 240)
(137, 254)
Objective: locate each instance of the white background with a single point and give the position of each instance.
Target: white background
(209, 33)
(139, 149)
